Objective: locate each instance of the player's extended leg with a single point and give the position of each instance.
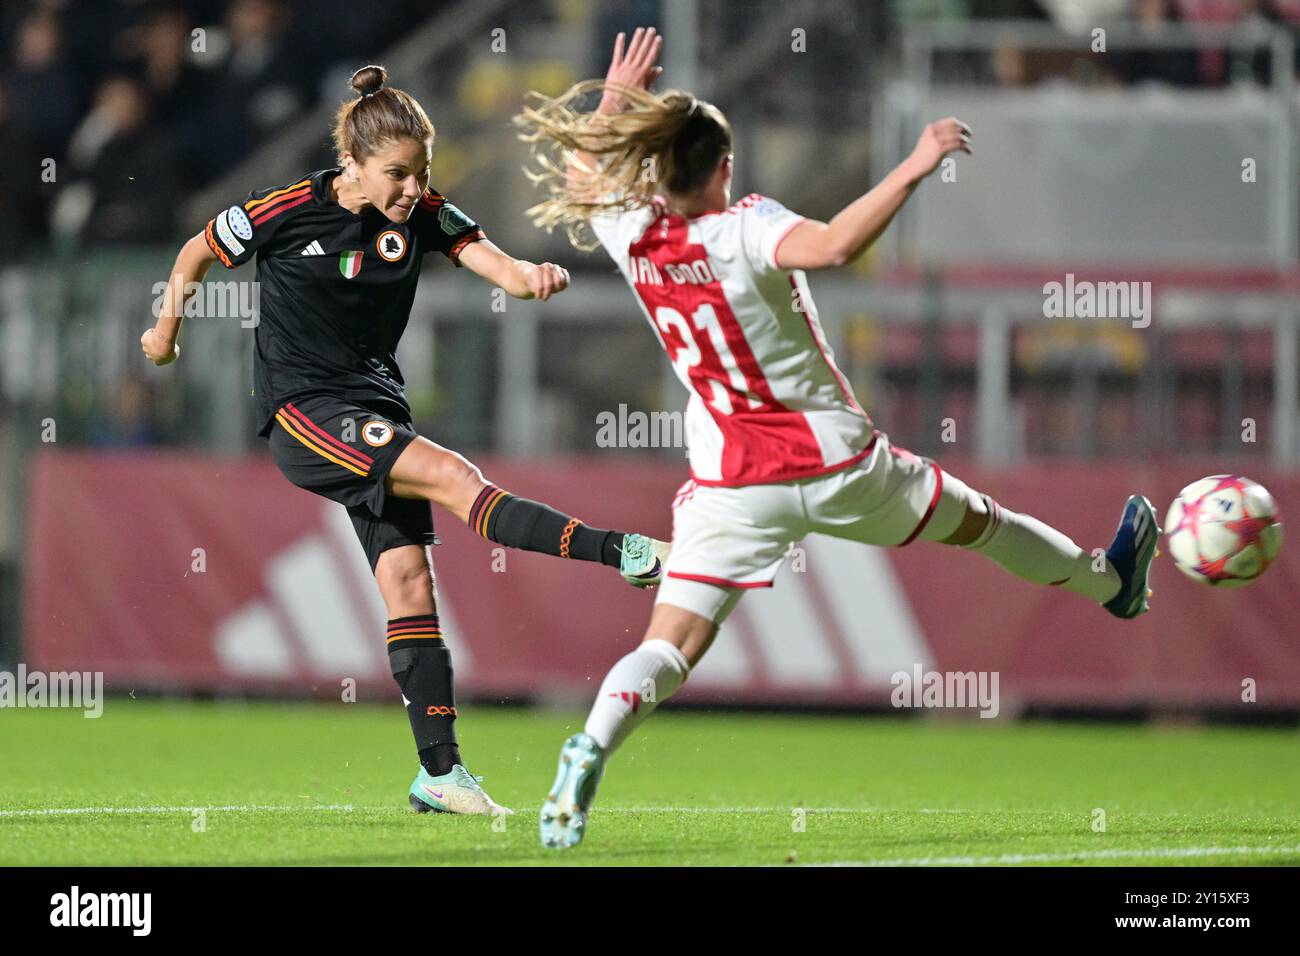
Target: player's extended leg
(1037, 552)
(429, 471)
(674, 642)
(421, 665)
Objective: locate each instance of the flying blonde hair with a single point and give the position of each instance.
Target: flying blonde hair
(668, 138)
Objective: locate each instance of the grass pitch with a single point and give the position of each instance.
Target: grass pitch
(325, 784)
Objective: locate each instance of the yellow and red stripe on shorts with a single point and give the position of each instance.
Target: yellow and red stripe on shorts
(301, 427)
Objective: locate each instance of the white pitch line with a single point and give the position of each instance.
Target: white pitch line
(788, 809)
(682, 811)
(254, 808)
(785, 810)
(249, 808)
(1012, 859)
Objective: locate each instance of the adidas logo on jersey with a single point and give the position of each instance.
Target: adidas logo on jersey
(314, 249)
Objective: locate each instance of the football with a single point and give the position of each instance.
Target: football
(1223, 530)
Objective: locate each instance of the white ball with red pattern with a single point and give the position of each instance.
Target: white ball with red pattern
(1223, 530)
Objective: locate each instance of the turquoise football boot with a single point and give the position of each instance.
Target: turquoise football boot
(455, 792)
(643, 560)
(564, 814)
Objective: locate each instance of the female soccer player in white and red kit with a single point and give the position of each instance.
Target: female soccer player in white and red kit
(779, 446)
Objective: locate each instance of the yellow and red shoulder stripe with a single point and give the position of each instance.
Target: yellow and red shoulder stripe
(272, 204)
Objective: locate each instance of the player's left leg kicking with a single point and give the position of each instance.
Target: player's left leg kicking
(921, 500)
(428, 471)
(1037, 552)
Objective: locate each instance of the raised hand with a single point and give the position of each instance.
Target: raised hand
(635, 67)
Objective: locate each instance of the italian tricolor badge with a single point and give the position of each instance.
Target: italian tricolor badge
(350, 264)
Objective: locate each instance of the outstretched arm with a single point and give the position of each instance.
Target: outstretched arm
(520, 278)
(820, 245)
(192, 264)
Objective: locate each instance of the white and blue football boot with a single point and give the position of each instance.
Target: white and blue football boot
(564, 814)
(1131, 554)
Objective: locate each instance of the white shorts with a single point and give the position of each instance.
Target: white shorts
(727, 539)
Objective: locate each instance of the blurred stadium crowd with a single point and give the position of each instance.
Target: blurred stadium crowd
(110, 89)
(137, 102)
(1207, 68)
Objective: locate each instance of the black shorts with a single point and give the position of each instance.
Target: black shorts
(342, 451)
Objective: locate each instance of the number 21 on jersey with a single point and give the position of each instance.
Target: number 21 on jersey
(705, 368)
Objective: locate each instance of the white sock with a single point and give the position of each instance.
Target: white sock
(1032, 550)
(632, 689)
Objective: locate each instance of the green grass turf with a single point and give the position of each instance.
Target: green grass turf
(690, 788)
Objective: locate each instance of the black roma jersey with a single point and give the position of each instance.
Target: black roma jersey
(335, 289)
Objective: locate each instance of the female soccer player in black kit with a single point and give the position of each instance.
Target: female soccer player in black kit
(338, 258)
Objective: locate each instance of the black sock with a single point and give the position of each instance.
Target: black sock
(520, 523)
(421, 666)
(440, 758)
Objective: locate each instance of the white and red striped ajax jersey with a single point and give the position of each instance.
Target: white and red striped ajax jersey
(767, 400)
